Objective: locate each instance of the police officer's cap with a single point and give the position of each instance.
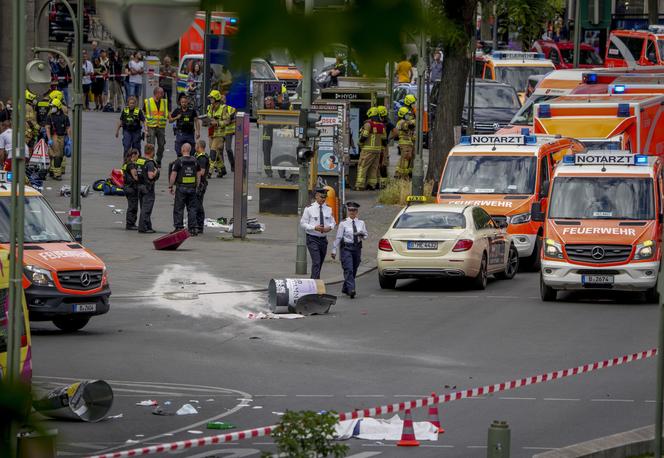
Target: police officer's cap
(352, 205)
(321, 191)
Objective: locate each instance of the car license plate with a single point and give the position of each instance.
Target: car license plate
(85, 308)
(422, 245)
(597, 279)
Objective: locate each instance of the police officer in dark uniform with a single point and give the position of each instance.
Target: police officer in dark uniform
(148, 174)
(187, 124)
(349, 238)
(204, 164)
(131, 121)
(183, 183)
(130, 172)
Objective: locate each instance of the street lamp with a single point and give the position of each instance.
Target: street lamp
(147, 24)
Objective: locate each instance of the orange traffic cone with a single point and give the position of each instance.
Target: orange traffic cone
(408, 434)
(434, 418)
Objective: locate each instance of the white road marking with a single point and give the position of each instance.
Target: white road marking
(270, 396)
(561, 399)
(649, 400)
(365, 395)
(475, 446)
(314, 395)
(364, 454)
(504, 297)
(409, 396)
(514, 398)
(538, 448)
(612, 400)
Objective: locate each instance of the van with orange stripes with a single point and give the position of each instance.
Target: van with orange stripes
(603, 224)
(505, 175)
(635, 118)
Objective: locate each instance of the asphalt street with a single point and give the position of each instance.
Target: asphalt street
(382, 347)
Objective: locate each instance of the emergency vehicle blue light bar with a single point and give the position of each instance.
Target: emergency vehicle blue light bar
(464, 140)
(530, 139)
(590, 78)
(641, 159)
(619, 89)
(5, 176)
(568, 159)
(232, 20)
(545, 111)
(623, 110)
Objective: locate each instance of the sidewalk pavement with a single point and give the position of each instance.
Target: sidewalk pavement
(134, 264)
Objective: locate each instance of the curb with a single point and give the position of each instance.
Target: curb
(621, 445)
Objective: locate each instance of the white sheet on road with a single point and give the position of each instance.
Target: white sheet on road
(379, 429)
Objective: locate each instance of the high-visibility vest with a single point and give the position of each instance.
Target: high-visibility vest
(229, 115)
(374, 134)
(156, 116)
(218, 115)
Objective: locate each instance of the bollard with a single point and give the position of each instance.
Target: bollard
(498, 442)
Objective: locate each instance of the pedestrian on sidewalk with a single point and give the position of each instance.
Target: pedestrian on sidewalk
(183, 184)
(317, 221)
(148, 174)
(130, 172)
(86, 79)
(131, 121)
(349, 238)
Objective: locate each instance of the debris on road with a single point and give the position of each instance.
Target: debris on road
(273, 316)
(299, 295)
(381, 429)
(187, 409)
(219, 425)
(113, 417)
(149, 402)
(195, 431)
(88, 400)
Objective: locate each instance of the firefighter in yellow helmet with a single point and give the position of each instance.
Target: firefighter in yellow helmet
(57, 128)
(409, 102)
(31, 125)
(228, 120)
(373, 138)
(215, 114)
(385, 152)
(406, 131)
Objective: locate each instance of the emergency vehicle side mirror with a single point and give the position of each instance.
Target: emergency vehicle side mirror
(544, 189)
(536, 212)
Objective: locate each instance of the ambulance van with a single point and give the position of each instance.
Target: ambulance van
(64, 282)
(506, 174)
(25, 365)
(636, 118)
(513, 68)
(603, 224)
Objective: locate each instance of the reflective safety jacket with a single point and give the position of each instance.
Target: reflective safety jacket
(187, 173)
(218, 115)
(156, 116)
(141, 164)
(406, 129)
(131, 119)
(373, 136)
(229, 119)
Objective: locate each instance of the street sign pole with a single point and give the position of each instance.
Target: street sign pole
(240, 180)
(659, 401)
(577, 32)
(303, 190)
(75, 218)
(418, 163)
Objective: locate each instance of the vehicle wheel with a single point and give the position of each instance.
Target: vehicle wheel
(533, 263)
(512, 265)
(387, 282)
(71, 324)
(479, 282)
(652, 296)
(547, 293)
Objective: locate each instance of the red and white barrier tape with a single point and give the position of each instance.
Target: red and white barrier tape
(391, 408)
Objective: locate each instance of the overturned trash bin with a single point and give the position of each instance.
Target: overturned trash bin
(292, 294)
(171, 241)
(89, 400)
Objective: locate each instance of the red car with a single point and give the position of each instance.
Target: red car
(561, 54)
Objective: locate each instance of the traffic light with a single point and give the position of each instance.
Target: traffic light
(304, 154)
(308, 120)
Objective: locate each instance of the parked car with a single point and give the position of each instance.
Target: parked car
(495, 106)
(561, 53)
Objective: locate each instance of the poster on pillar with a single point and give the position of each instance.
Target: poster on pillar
(229, 80)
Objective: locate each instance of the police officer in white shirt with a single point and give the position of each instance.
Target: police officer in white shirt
(349, 238)
(317, 221)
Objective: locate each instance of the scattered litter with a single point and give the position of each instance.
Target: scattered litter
(110, 206)
(140, 435)
(278, 413)
(113, 417)
(226, 225)
(209, 400)
(273, 316)
(257, 407)
(219, 425)
(148, 324)
(186, 409)
(194, 400)
(131, 441)
(194, 431)
(148, 402)
(164, 409)
(167, 403)
(118, 211)
(450, 387)
(380, 429)
(48, 188)
(378, 206)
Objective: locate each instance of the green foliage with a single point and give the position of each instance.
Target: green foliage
(307, 434)
(528, 17)
(15, 405)
(373, 28)
(450, 24)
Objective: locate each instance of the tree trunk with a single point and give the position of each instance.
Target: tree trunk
(456, 65)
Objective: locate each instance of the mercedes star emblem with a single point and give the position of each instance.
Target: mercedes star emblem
(85, 279)
(597, 252)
